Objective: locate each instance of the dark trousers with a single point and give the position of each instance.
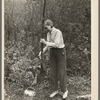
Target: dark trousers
(58, 68)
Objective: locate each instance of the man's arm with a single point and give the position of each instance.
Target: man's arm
(45, 49)
(56, 42)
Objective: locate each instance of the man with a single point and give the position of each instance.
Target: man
(55, 44)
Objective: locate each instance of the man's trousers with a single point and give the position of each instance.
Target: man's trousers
(58, 68)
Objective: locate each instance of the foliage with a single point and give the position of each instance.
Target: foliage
(77, 86)
(23, 32)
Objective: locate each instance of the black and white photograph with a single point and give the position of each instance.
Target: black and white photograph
(47, 50)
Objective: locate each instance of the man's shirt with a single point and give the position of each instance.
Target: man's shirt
(55, 38)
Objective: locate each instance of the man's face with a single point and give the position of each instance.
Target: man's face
(48, 28)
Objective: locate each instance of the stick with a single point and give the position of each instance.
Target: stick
(42, 34)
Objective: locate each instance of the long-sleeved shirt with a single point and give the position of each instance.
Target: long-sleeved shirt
(54, 39)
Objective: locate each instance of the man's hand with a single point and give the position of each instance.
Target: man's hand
(43, 41)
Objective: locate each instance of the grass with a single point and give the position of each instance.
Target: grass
(77, 86)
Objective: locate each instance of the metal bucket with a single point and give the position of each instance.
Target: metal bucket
(29, 94)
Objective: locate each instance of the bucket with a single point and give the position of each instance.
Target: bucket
(29, 94)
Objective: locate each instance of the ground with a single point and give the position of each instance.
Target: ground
(77, 86)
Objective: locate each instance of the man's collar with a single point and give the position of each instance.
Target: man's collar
(52, 30)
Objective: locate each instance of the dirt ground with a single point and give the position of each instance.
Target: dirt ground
(77, 86)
